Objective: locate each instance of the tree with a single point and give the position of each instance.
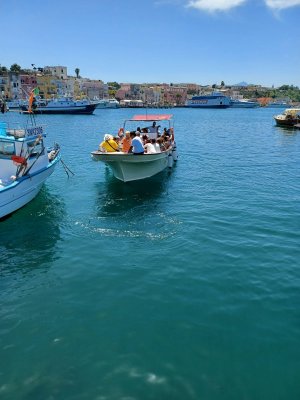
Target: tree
(214, 86)
(222, 83)
(178, 98)
(112, 92)
(113, 85)
(15, 68)
(77, 70)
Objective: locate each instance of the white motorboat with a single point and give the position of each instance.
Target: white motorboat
(243, 103)
(290, 117)
(25, 164)
(131, 167)
(107, 103)
(278, 104)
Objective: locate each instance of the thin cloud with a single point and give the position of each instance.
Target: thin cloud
(215, 5)
(281, 4)
(225, 5)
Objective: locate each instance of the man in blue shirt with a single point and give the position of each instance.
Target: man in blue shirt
(136, 145)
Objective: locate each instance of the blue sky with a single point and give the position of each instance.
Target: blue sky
(201, 41)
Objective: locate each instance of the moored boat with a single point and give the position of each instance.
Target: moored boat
(214, 100)
(61, 105)
(25, 164)
(15, 104)
(107, 103)
(290, 117)
(278, 104)
(131, 167)
(243, 103)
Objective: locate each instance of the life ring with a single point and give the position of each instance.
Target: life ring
(18, 160)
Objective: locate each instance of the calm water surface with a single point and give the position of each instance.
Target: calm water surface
(185, 286)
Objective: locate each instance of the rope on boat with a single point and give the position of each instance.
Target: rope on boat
(67, 169)
(38, 156)
(28, 154)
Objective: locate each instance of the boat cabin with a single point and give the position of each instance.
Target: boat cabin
(293, 112)
(21, 151)
(153, 124)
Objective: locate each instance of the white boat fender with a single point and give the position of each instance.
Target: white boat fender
(174, 152)
(170, 160)
(51, 155)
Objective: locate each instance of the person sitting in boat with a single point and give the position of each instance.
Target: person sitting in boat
(136, 144)
(126, 142)
(167, 142)
(117, 139)
(108, 145)
(160, 141)
(166, 132)
(149, 147)
(156, 145)
(152, 131)
(138, 136)
(145, 138)
(121, 133)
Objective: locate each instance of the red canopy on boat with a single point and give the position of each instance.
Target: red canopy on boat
(152, 117)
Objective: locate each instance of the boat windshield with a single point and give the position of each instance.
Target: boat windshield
(292, 111)
(7, 149)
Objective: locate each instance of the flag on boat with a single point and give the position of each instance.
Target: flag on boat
(33, 93)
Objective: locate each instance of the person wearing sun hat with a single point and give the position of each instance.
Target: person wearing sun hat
(108, 145)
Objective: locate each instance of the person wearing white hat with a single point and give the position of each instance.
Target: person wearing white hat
(108, 145)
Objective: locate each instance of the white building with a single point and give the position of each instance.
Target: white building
(58, 71)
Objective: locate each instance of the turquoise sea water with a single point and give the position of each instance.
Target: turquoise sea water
(185, 286)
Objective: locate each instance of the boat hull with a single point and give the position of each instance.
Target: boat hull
(207, 106)
(244, 104)
(215, 100)
(131, 167)
(277, 105)
(286, 122)
(86, 109)
(24, 190)
(107, 105)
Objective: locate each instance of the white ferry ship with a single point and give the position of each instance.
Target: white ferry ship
(214, 100)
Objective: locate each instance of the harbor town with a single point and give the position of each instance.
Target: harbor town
(150, 200)
(16, 83)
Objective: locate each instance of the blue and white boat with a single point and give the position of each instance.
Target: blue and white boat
(25, 164)
(15, 104)
(61, 105)
(243, 103)
(214, 100)
(278, 104)
(107, 103)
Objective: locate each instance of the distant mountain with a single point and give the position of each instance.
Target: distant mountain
(242, 84)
